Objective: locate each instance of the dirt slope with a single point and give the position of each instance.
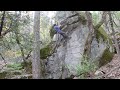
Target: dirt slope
(110, 70)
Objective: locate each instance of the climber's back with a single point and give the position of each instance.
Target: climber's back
(58, 30)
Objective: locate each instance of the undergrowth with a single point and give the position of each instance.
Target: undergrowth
(15, 66)
(86, 67)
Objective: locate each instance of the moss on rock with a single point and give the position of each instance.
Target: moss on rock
(45, 52)
(106, 57)
(52, 32)
(101, 34)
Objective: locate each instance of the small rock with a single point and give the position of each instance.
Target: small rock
(98, 73)
(75, 78)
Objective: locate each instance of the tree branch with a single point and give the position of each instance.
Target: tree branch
(3, 60)
(101, 21)
(114, 36)
(28, 55)
(87, 48)
(7, 31)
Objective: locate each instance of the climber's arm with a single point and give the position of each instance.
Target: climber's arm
(63, 27)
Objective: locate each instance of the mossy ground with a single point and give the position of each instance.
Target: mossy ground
(11, 69)
(16, 66)
(2, 75)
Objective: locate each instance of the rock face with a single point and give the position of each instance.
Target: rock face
(64, 61)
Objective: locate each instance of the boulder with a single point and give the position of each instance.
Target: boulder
(68, 56)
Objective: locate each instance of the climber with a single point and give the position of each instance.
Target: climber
(58, 30)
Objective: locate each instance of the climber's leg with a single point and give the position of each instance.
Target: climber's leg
(64, 35)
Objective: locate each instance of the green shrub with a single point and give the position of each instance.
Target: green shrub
(16, 66)
(86, 67)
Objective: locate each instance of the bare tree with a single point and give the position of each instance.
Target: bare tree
(87, 49)
(114, 36)
(16, 31)
(92, 31)
(36, 64)
(101, 21)
(2, 22)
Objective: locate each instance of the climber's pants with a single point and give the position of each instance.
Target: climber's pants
(63, 34)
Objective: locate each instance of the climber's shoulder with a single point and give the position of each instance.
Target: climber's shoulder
(56, 26)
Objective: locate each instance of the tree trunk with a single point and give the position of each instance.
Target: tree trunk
(21, 48)
(92, 28)
(17, 36)
(36, 64)
(114, 37)
(87, 49)
(101, 21)
(2, 22)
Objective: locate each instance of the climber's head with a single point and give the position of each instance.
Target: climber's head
(54, 24)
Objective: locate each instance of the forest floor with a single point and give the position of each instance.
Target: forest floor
(110, 70)
(2, 64)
